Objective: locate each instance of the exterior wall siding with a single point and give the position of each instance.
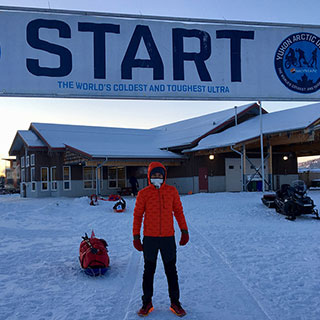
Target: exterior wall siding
(77, 189)
(309, 176)
(183, 185)
(217, 184)
(278, 180)
(283, 167)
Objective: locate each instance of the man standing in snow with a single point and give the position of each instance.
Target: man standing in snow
(134, 185)
(157, 204)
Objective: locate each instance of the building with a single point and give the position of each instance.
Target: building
(12, 175)
(216, 152)
(287, 135)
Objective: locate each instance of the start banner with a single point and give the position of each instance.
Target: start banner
(50, 53)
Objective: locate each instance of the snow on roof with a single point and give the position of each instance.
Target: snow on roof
(100, 142)
(285, 120)
(30, 138)
(187, 131)
(25, 137)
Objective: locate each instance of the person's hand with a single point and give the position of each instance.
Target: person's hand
(137, 243)
(184, 237)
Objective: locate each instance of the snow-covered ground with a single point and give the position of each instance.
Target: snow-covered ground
(243, 261)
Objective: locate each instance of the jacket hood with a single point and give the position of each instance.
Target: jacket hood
(153, 165)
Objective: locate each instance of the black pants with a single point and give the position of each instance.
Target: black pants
(134, 189)
(168, 250)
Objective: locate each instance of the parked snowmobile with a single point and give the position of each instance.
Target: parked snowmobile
(291, 200)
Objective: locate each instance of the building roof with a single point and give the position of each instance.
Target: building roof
(102, 142)
(30, 138)
(25, 137)
(211, 131)
(190, 131)
(280, 121)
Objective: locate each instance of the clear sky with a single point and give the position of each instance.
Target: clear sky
(18, 113)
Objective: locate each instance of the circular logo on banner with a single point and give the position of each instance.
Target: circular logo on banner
(297, 62)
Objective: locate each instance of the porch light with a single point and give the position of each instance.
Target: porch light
(211, 156)
(285, 158)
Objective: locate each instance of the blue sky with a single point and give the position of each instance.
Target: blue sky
(18, 113)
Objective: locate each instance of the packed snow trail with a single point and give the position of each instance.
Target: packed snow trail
(123, 298)
(228, 287)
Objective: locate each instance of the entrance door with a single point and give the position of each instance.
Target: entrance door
(203, 179)
(233, 174)
(24, 190)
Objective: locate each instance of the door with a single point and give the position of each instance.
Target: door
(24, 190)
(233, 174)
(203, 179)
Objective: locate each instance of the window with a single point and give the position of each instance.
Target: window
(121, 177)
(116, 177)
(33, 186)
(33, 174)
(112, 177)
(44, 179)
(22, 162)
(33, 160)
(54, 184)
(89, 177)
(66, 178)
(27, 161)
(23, 176)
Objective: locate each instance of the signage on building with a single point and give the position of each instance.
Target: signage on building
(74, 54)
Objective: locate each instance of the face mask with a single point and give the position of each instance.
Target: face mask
(157, 182)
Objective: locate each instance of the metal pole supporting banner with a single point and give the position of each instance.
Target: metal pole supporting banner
(261, 146)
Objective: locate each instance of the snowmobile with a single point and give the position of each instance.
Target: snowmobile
(291, 201)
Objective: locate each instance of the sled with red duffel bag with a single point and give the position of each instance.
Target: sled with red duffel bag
(93, 255)
(94, 199)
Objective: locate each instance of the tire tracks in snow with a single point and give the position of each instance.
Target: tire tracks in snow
(124, 295)
(231, 277)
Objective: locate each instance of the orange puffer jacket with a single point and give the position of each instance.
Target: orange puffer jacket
(157, 207)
